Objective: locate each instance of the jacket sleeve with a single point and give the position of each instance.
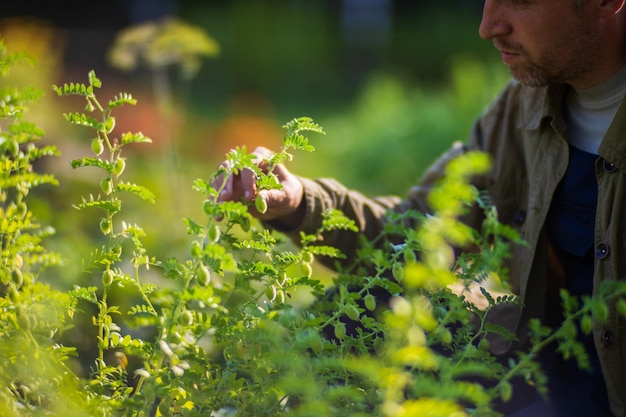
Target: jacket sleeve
(369, 213)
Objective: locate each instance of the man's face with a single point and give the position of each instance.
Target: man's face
(541, 41)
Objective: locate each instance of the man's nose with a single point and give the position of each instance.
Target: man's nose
(494, 22)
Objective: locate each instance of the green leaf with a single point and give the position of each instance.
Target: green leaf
(121, 99)
(76, 89)
(252, 244)
(93, 80)
(109, 206)
(329, 251)
(193, 228)
(81, 119)
(37, 153)
(311, 283)
(503, 331)
(302, 123)
(335, 219)
(129, 137)
(84, 293)
(138, 190)
(24, 128)
(239, 158)
(141, 309)
(390, 286)
(92, 162)
(32, 179)
(297, 141)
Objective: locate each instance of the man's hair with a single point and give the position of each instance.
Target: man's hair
(579, 2)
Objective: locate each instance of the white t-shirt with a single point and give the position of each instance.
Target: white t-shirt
(590, 111)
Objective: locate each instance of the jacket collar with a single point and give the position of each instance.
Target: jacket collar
(543, 104)
(546, 105)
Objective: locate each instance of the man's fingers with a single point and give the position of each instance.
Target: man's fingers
(248, 184)
(241, 186)
(262, 153)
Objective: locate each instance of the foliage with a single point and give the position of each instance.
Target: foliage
(225, 332)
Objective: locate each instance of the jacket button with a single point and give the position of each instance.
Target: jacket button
(519, 217)
(608, 167)
(602, 250)
(608, 338)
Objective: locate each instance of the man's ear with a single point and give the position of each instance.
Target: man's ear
(609, 8)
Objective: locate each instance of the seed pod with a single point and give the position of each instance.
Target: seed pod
(316, 344)
(107, 277)
(307, 270)
(13, 148)
(97, 146)
(21, 209)
(398, 271)
(370, 302)
(116, 251)
(352, 312)
(186, 317)
(409, 256)
(260, 204)
(119, 166)
(17, 277)
(105, 226)
(446, 336)
(207, 206)
(307, 257)
(13, 294)
(483, 344)
(245, 224)
(270, 292)
(340, 330)
(586, 324)
(109, 124)
(204, 275)
(505, 391)
(214, 233)
(106, 185)
(195, 249)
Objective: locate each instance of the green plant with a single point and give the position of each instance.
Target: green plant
(32, 314)
(242, 326)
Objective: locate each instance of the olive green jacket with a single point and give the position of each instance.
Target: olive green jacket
(525, 133)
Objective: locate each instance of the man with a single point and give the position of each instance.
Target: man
(557, 137)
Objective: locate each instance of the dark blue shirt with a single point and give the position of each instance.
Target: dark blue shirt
(570, 227)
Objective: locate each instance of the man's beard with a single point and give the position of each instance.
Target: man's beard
(546, 69)
(532, 76)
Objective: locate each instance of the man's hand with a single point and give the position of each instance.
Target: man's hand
(284, 205)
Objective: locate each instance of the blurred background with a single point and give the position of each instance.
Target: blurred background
(392, 82)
